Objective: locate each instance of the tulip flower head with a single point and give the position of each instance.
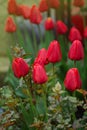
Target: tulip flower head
(43, 6)
(35, 15)
(20, 67)
(10, 25)
(79, 3)
(61, 27)
(25, 11)
(39, 74)
(76, 51)
(53, 3)
(41, 57)
(72, 80)
(74, 34)
(54, 53)
(12, 6)
(49, 24)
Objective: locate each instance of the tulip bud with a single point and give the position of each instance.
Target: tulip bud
(25, 11)
(49, 24)
(61, 27)
(43, 6)
(76, 51)
(72, 80)
(74, 34)
(10, 25)
(20, 67)
(79, 3)
(41, 57)
(35, 15)
(53, 3)
(85, 33)
(39, 74)
(12, 6)
(54, 53)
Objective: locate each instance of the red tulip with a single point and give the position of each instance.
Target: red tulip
(61, 27)
(74, 34)
(49, 24)
(25, 11)
(12, 6)
(10, 25)
(39, 74)
(53, 3)
(72, 80)
(35, 15)
(54, 52)
(43, 6)
(20, 67)
(41, 57)
(76, 51)
(85, 33)
(78, 22)
(79, 3)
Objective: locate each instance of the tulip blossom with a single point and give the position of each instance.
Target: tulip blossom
(78, 22)
(79, 3)
(74, 34)
(20, 67)
(76, 51)
(85, 33)
(25, 11)
(53, 3)
(49, 24)
(61, 27)
(12, 6)
(43, 6)
(35, 15)
(54, 53)
(10, 25)
(41, 57)
(39, 74)
(72, 80)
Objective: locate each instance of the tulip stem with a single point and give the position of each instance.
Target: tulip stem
(75, 63)
(53, 69)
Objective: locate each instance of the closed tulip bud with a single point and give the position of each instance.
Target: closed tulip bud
(35, 15)
(61, 27)
(39, 74)
(12, 6)
(41, 57)
(25, 11)
(20, 67)
(79, 3)
(10, 25)
(53, 3)
(43, 6)
(74, 34)
(76, 51)
(72, 80)
(54, 52)
(85, 33)
(49, 24)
